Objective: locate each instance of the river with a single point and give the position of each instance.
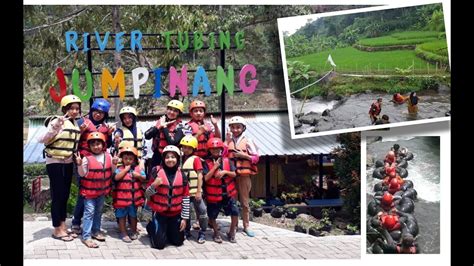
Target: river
(424, 171)
(352, 111)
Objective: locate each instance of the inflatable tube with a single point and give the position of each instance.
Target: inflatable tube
(410, 193)
(379, 163)
(409, 156)
(379, 193)
(378, 187)
(407, 185)
(379, 173)
(412, 227)
(403, 164)
(402, 172)
(406, 205)
(396, 234)
(373, 208)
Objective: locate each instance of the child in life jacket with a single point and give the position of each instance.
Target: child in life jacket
(203, 131)
(168, 196)
(192, 168)
(93, 122)
(221, 192)
(96, 181)
(243, 151)
(130, 134)
(128, 194)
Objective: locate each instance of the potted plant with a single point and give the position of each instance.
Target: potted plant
(351, 229)
(315, 229)
(277, 212)
(326, 224)
(291, 213)
(328, 212)
(300, 226)
(256, 206)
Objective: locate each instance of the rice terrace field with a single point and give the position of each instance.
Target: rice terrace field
(429, 55)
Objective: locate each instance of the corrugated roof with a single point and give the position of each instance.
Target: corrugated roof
(271, 133)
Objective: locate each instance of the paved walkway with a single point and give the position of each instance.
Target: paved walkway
(269, 243)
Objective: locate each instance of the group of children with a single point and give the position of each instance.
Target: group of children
(190, 164)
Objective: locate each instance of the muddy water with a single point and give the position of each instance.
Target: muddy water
(352, 111)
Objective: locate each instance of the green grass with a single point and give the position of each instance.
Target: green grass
(392, 41)
(439, 47)
(344, 86)
(351, 60)
(415, 35)
(401, 38)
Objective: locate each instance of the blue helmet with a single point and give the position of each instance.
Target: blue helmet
(101, 105)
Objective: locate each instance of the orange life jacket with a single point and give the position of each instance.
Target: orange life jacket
(128, 190)
(98, 180)
(216, 188)
(83, 146)
(243, 166)
(168, 198)
(201, 149)
(159, 142)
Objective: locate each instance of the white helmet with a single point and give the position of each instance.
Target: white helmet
(173, 149)
(237, 120)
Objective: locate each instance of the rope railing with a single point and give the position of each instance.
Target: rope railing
(312, 83)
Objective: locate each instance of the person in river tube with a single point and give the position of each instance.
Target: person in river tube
(375, 110)
(398, 98)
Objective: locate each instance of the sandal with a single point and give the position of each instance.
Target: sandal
(126, 239)
(76, 229)
(217, 238)
(65, 238)
(134, 236)
(99, 237)
(90, 243)
(231, 238)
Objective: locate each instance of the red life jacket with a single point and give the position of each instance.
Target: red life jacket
(83, 146)
(98, 180)
(217, 188)
(128, 190)
(168, 198)
(375, 108)
(159, 142)
(412, 250)
(201, 149)
(390, 225)
(243, 167)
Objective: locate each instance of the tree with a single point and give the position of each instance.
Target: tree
(347, 168)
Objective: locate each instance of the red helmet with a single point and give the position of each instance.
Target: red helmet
(387, 198)
(389, 221)
(392, 174)
(394, 183)
(215, 143)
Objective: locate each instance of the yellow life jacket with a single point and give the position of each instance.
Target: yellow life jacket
(192, 176)
(129, 139)
(65, 143)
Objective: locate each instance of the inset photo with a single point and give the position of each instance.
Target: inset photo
(403, 195)
(366, 68)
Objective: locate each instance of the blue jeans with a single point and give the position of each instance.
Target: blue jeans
(92, 216)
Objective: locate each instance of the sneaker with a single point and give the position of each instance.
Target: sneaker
(231, 238)
(249, 232)
(201, 238)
